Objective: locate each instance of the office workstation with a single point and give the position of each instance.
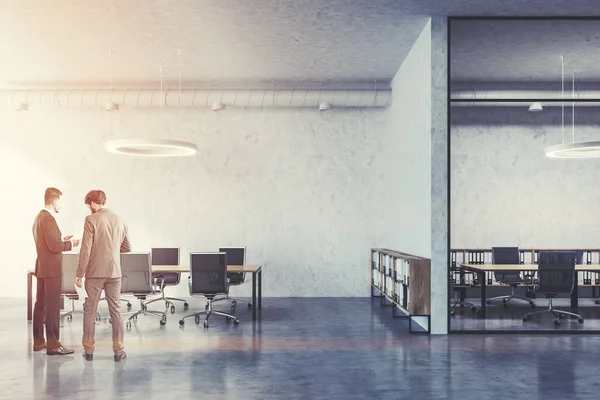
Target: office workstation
(523, 162)
(146, 279)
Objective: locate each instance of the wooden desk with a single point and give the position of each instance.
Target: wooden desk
(480, 270)
(255, 270)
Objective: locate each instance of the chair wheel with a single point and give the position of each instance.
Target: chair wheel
(197, 319)
(205, 324)
(533, 305)
(232, 309)
(172, 309)
(505, 301)
(181, 322)
(236, 322)
(162, 322)
(488, 302)
(128, 325)
(163, 319)
(580, 320)
(249, 305)
(128, 305)
(233, 303)
(185, 305)
(69, 318)
(144, 307)
(524, 319)
(557, 322)
(597, 301)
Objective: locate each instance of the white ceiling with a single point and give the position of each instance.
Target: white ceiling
(220, 40)
(525, 50)
(66, 43)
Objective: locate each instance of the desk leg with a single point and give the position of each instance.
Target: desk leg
(481, 278)
(575, 293)
(29, 296)
(260, 289)
(254, 305)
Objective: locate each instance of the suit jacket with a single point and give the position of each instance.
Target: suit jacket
(49, 246)
(104, 239)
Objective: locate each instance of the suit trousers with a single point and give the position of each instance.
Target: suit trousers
(112, 292)
(47, 311)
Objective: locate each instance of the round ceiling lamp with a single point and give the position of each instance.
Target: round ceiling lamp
(573, 150)
(151, 147)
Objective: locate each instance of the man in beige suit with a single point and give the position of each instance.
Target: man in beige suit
(104, 238)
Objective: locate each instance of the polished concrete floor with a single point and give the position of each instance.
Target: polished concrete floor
(300, 349)
(500, 318)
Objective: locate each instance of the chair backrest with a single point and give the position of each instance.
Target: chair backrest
(137, 272)
(235, 256)
(208, 273)
(556, 271)
(69, 271)
(506, 255)
(165, 256)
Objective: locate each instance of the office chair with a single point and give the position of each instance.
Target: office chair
(556, 274)
(235, 256)
(208, 277)
(461, 286)
(69, 268)
(509, 255)
(137, 271)
(166, 256)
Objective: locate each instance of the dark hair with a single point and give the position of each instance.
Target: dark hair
(96, 196)
(51, 194)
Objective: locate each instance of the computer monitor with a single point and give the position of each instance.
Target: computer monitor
(165, 256)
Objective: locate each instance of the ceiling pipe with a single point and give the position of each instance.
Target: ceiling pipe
(494, 98)
(379, 98)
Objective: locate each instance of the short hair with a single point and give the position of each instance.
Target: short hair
(96, 196)
(51, 194)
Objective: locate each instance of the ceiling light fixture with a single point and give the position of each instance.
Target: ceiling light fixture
(573, 150)
(218, 106)
(535, 107)
(151, 147)
(324, 106)
(154, 147)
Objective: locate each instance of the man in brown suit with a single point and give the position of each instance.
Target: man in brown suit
(104, 238)
(49, 245)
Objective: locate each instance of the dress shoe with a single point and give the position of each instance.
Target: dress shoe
(88, 356)
(39, 347)
(59, 351)
(120, 356)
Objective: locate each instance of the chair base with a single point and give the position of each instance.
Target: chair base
(209, 310)
(234, 301)
(558, 314)
(507, 298)
(144, 311)
(69, 314)
(168, 302)
(460, 303)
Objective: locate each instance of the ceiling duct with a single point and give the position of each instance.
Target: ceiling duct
(494, 98)
(308, 98)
